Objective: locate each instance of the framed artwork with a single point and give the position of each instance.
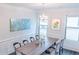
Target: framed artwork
(55, 24)
(19, 24)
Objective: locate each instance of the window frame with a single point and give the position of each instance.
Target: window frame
(43, 25)
(71, 28)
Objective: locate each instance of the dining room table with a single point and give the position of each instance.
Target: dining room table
(36, 47)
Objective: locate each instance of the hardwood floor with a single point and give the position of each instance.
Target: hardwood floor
(69, 52)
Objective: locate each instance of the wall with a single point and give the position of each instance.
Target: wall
(7, 38)
(61, 13)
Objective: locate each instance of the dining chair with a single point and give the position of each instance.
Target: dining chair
(61, 46)
(51, 49)
(16, 45)
(32, 39)
(37, 37)
(58, 46)
(25, 42)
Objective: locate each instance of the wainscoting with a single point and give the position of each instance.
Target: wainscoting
(6, 46)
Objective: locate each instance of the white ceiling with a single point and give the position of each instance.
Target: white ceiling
(39, 6)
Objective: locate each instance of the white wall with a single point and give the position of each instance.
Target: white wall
(61, 13)
(7, 38)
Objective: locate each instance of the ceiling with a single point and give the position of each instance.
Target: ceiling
(39, 6)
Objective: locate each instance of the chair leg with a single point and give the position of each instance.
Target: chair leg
(15, 52)
(60, 50)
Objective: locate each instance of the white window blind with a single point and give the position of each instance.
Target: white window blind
(72, 29)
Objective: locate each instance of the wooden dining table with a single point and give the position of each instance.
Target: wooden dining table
(36, 47)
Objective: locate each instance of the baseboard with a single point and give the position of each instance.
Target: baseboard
(13, 53)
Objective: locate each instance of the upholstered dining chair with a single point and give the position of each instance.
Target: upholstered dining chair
(16, 45)
(51, 49)
(32, 39)
(25, 42)
(58, 46)
(37, 37)
(61, 46)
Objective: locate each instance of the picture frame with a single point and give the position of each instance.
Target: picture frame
(55, 25)
(19, 24)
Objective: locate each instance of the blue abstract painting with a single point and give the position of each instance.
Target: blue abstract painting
(19, 24)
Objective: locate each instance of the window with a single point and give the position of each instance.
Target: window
(72, 29)
(72, 21)
(43, 26)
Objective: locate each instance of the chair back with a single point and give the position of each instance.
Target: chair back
(16, 45)
(31, 39)
(37, 37)
(25, 42)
